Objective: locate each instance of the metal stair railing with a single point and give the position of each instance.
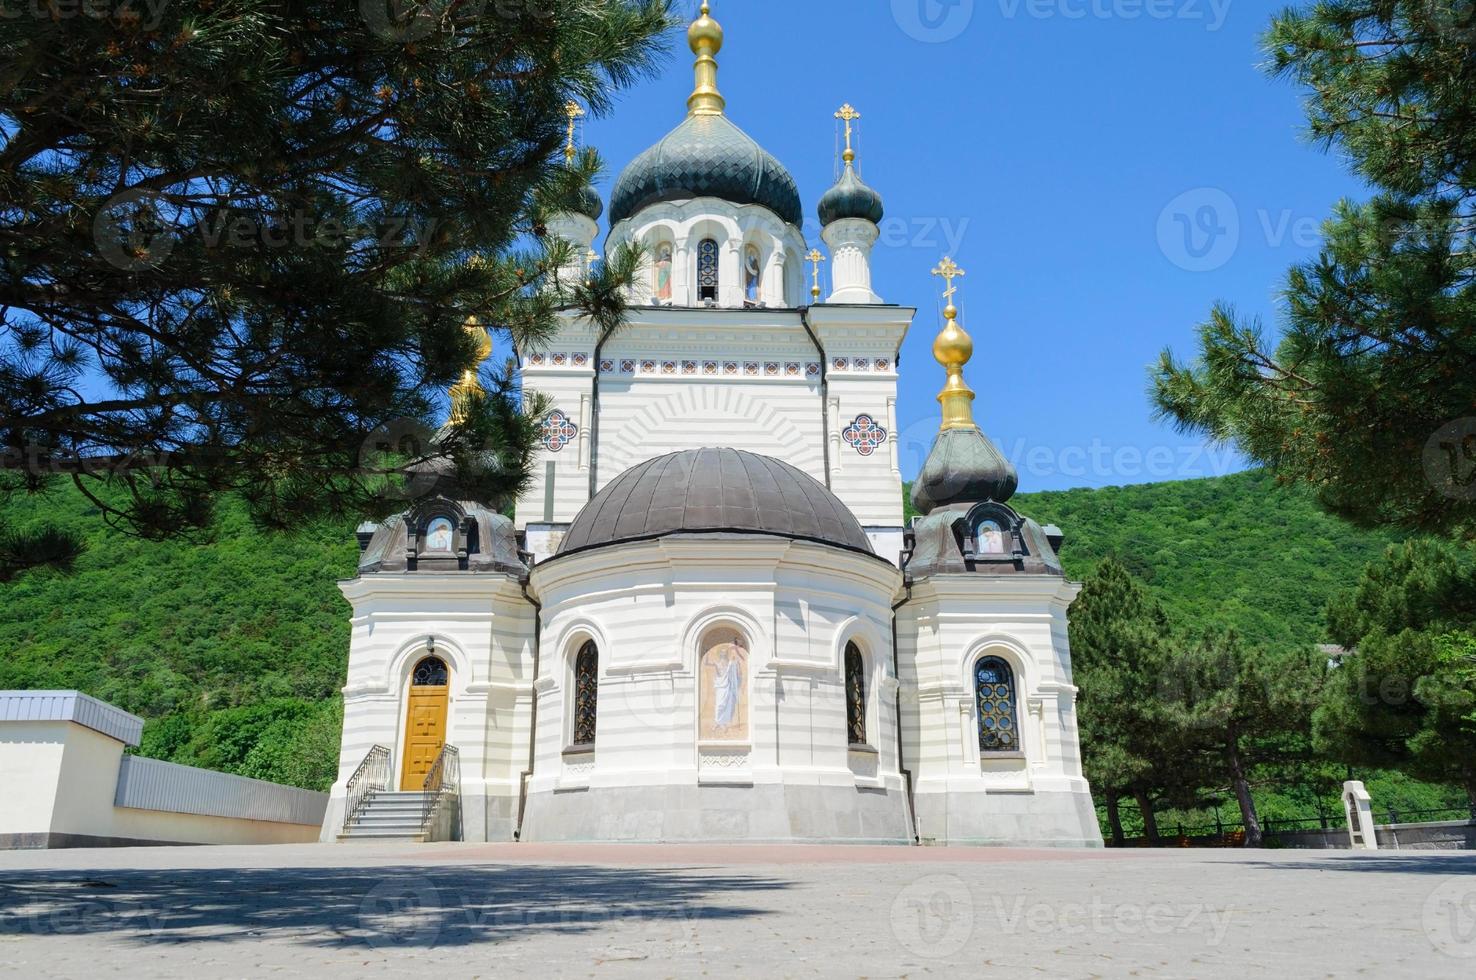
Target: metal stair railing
(442, 783)
(371, 777)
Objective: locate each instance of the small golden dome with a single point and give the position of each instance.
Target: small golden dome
(480, 335)
(705, 33)
(953, 347)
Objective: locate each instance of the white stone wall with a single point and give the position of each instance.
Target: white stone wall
(1037, 796)
(647, 607)
(676, 379)
(62, 780)
(482, 627)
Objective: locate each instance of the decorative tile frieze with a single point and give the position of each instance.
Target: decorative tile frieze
(670, 367)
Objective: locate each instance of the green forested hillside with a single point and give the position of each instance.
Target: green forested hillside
(235, 646)
(1237, 550)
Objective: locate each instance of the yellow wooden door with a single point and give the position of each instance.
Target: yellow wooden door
(425, 734)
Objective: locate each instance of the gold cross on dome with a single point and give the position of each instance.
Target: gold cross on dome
(849, 114)
(948, 270)
(573, 111)
(816, 258)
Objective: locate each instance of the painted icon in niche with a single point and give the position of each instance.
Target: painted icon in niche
(438, 535)
(723, 712)
(663, 271)
(991, 538)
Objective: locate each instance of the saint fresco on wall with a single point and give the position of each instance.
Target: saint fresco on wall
(663, 272)
(723, 676)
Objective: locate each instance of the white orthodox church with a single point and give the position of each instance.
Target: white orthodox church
(709, 621)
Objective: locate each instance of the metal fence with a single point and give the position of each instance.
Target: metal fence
(148, 784)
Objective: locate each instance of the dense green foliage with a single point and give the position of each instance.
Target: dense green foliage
(1369, 392)
(1406, 699)
(1209, 549)
(238, 240)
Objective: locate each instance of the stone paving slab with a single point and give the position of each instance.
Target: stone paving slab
(693, 910)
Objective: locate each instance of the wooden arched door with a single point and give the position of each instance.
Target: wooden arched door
(425, 722)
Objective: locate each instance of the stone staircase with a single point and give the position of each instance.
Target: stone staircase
(388, 817)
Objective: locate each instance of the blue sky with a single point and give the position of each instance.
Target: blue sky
(1105, 170)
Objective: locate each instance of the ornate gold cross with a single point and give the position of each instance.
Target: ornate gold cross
(816, 258)
(948, 270)
(848, 113)
(573, 111)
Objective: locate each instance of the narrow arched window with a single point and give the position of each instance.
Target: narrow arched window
(586, 693)
(855, 695)
(994, 693)
(707, 270)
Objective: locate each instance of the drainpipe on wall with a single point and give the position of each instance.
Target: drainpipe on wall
(897, 673)
(533, 718)
(804, 312)
(594, 418)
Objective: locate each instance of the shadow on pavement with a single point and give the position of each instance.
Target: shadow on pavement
(383, 906)
(1421, 863)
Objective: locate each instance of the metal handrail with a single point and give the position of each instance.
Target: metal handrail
(371, 777)
(442, 782)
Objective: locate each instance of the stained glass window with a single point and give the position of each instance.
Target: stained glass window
(994, 691)
(855, 695)
(430, 672)
(707, 270)
(586, 693)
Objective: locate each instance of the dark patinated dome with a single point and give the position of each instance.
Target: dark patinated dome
(706, 156)
(591, 205)
(714, 491)
(850, 198)
(964, 466)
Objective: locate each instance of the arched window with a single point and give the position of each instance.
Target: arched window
(753, 291)
(994, 693)
(855, 695)
(707, 270)
(430, 672)
(586, 693)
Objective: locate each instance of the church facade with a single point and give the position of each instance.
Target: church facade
(708, 620)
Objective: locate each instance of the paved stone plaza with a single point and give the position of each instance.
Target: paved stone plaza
(501, 910)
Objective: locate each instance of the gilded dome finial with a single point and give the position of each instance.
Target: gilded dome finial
(815, 257)
(848, 113)
(469, 388)
(706, 39)
(953, 349)
(573, 111)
